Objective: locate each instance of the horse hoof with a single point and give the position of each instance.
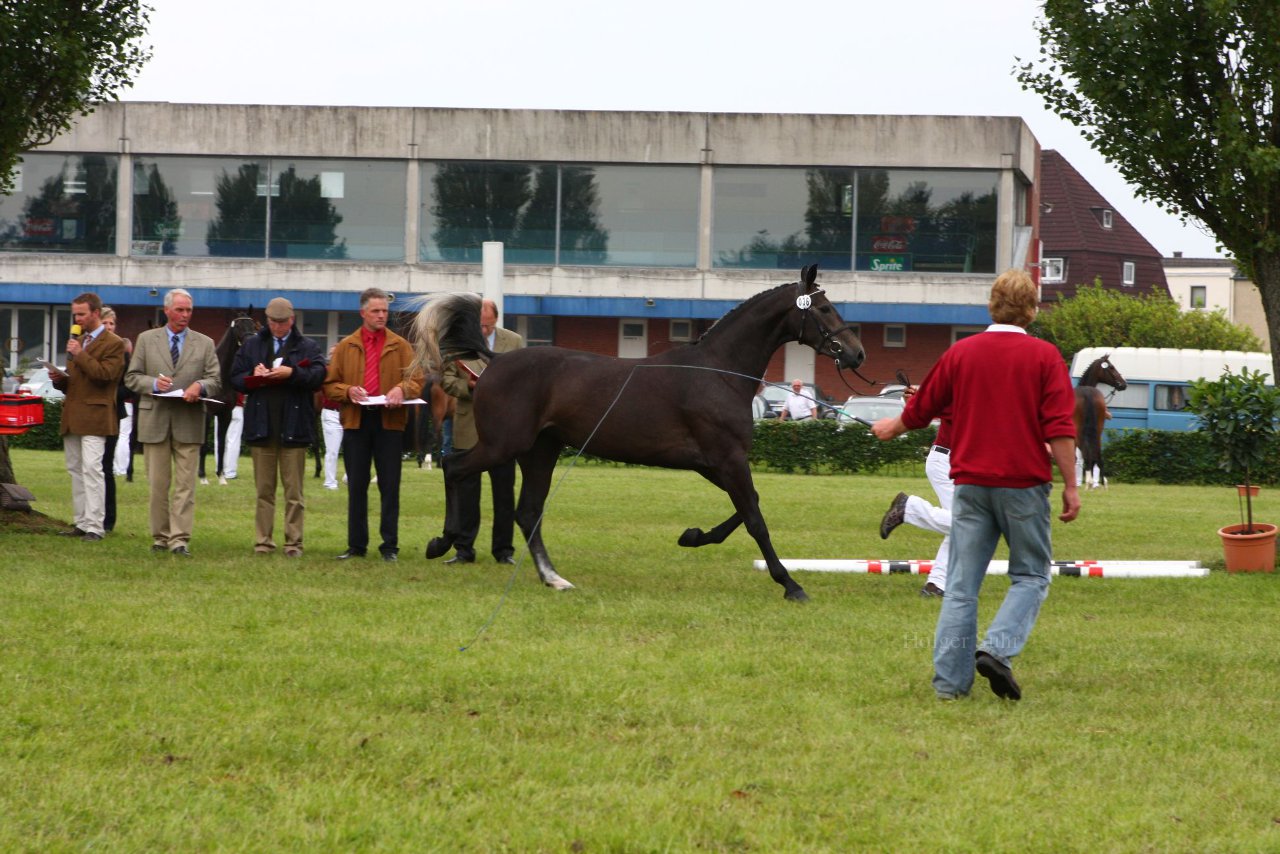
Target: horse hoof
(558, 583)
(691, 538)
(204, 481)
(797, 595)
(222, 481)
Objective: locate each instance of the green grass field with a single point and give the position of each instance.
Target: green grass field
(673, 702)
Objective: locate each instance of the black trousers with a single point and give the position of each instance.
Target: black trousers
(372, 446)
(462, 510)
(108, 467)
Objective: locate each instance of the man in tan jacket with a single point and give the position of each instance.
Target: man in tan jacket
(370, 377)
(95, 364)
(171, 369)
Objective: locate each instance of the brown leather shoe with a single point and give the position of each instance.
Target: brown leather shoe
(894, 515)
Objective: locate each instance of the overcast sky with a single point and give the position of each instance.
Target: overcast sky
(928, 57)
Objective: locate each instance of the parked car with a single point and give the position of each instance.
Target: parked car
(39, 383)
(777, 397)
(870, 409)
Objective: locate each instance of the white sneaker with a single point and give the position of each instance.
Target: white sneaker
(327, 486)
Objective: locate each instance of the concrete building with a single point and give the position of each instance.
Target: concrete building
(624, 233)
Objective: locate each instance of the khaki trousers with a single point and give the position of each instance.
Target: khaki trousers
(172, 517)
(88, 485)
(291, 466)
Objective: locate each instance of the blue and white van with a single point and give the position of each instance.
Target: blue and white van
(1159, 380)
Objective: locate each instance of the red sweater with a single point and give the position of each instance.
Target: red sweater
(1008, 394)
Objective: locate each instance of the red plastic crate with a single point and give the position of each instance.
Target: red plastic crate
(19, 413)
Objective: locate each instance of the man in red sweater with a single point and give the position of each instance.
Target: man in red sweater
(1008, 395)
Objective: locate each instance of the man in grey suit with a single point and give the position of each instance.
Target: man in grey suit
(462, 505)
(172, 368)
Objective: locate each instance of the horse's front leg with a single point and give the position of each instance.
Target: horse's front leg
(694, 537)
(735, 479)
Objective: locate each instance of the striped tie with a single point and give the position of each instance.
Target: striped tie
(173, 349)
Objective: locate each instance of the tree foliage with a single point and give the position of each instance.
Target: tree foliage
(58, 59)
(1180, 95)
(1097, 317)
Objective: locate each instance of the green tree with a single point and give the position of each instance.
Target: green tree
(1097, 317)
(1181, 96)
(58, 59)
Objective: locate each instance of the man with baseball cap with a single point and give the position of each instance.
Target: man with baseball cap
(279, 371)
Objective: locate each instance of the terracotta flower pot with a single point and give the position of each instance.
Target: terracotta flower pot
(1254, 552)
(1253, 490)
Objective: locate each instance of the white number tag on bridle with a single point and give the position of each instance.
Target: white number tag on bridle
(803, 302)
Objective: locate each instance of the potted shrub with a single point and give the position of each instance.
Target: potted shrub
(1238, 413)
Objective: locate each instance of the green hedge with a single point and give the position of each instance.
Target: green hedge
(829, 447)
(1165, 456)
(43, 437)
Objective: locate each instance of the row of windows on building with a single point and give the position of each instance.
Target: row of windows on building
(547, 214)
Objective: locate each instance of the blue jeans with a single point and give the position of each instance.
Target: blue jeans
(980, 515)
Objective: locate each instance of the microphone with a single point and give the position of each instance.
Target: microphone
(75, 329)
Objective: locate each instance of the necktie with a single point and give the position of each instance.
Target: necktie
(173, 349)
(279, 344)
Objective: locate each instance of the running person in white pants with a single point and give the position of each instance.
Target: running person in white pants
(914, 510)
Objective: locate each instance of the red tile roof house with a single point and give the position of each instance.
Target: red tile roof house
(1084, 238)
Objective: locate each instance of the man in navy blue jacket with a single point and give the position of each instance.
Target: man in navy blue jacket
(279, 370)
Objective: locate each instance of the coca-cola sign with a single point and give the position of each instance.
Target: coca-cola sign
(889, 243)
(903, 224)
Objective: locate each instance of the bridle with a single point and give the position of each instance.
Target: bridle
(827, 337)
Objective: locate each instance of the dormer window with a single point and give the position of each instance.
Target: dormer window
(1106, 218)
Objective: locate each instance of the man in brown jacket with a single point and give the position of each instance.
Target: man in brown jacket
(95, 364)
(370, 377)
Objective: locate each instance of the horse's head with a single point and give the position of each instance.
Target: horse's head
(821, 326)
(1108, 374)
(242, 327)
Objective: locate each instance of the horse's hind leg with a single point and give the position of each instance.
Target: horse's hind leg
(204, 452)
(735, 479)
(221, 424)
(536, 469)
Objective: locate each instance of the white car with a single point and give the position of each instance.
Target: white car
(38, 382)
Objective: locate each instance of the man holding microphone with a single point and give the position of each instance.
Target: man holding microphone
(95, 362)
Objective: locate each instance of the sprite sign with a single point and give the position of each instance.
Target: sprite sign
(889, 264)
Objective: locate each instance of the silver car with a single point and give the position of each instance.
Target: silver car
(869, 410)
(38, 382)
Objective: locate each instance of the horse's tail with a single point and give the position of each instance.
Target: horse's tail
(448, 327)
(1090, 446)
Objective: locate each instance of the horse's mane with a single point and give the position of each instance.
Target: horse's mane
(749, 301)
(447, 327)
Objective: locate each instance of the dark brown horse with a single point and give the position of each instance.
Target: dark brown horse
(1091, 417)
(240, 328)
(687, 408)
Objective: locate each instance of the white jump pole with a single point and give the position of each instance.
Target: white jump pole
(1081, 568)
